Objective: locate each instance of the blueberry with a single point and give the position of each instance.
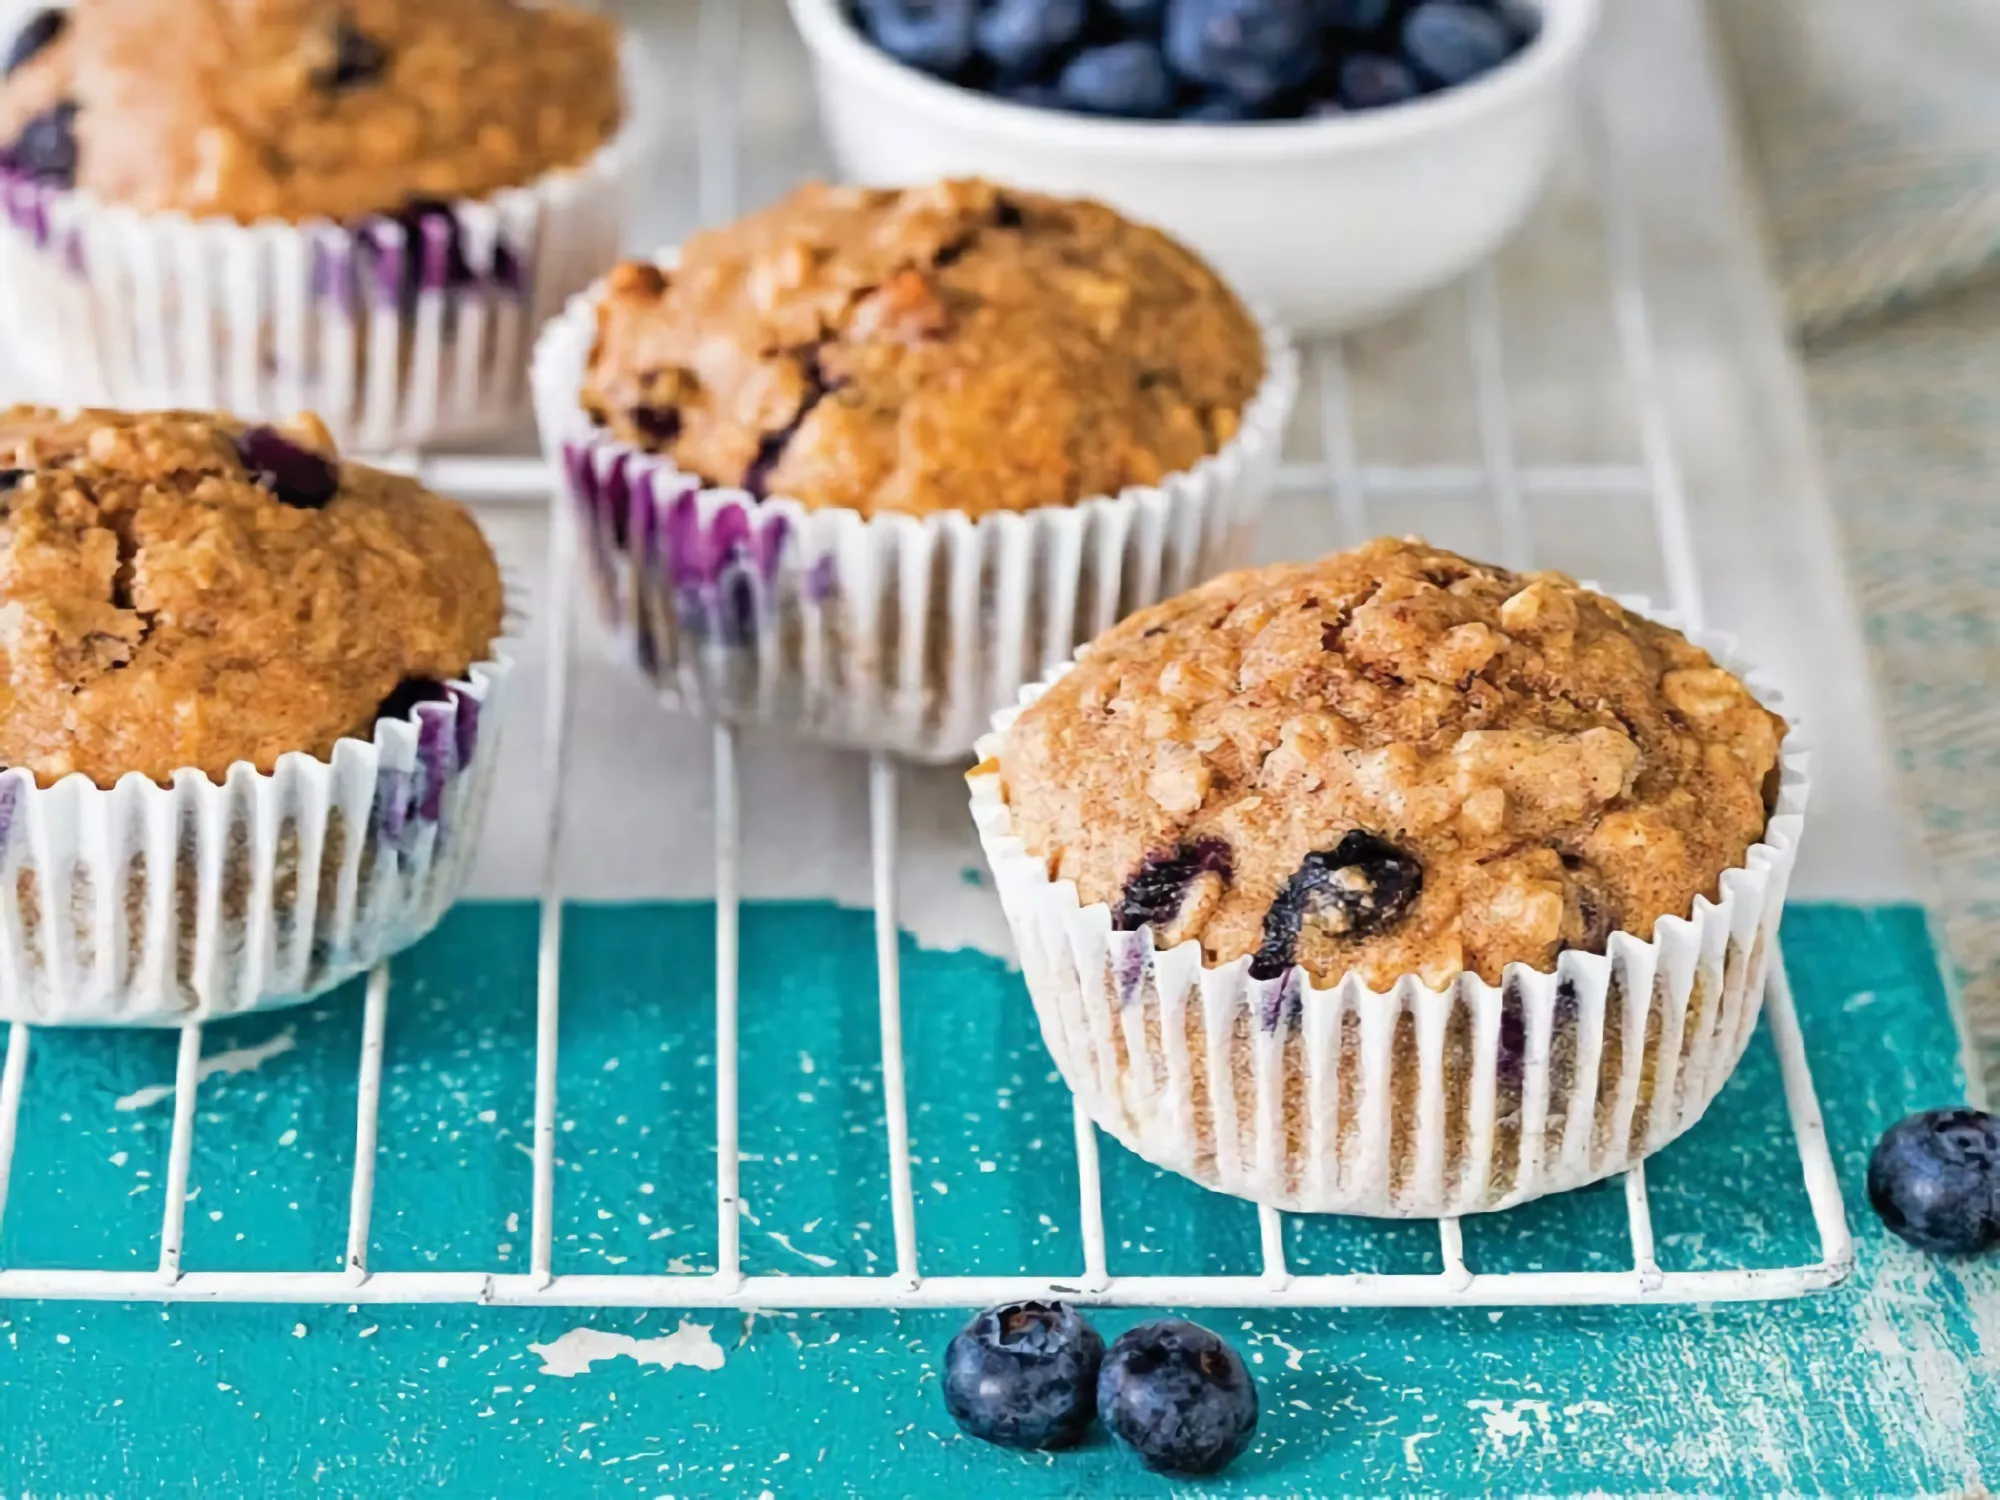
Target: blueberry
(1034, 95)
(1220, 109)
(935, 35)
(357, 59)
(1136, 15)
(1020, 35)
(1024, 1375)
(1452, 42)
(406, 695)
(1935, 1180)
(1361, 886)
(36, 35)
(1369, 80)
(298, 476)
(1125, 78)
(1178, 1396)
(1159, 889)
(1357, 17)
(1253, 48)
(46, 147)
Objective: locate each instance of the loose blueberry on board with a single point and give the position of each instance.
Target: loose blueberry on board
(1021, 35)
(1256, 49)
(1452, 41)
(36, 35)
(298, 476)
(1369, 80)
(1360, 886)
(406, 695)
(46, 147)
(1178, 1396)
(1024, 1375)
(1935, 1180)
(1125, 78)
(935, 35)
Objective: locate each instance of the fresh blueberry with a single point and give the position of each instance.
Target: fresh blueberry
(935, 35)
(357, 59)
(46, 147)
(1125, 78)
(1024, 1375)
(1369, 80)
(1255, 49)
(1220, 109)
(1362, 885)
(36, 35)
(298, 476)
(406, 695)
(1136, 15)
(1020, 35)
(1159, 889)
(1356, 17)
(1178, 1396)
(1452, 42)
(1034, 95)
(1935, 1180)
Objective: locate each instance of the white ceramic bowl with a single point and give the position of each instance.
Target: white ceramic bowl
(1332, 222)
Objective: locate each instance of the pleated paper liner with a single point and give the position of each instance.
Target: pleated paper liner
(900, 632)
(150, 905)
(397, 330)
(1414, 1103)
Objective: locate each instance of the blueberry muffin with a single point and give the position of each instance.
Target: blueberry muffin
(184, 591)
(1392, 761)
(956, 347)
(305, 109)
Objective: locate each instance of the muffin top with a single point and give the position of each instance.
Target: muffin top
(1391, 761)
(951, 347)
(305, 109)
(181, 590)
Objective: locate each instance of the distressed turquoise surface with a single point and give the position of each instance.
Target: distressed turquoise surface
(1885, 1386)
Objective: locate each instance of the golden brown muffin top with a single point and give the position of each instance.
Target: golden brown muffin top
(181, 590)
(952, 347)
(1391, 761)
(304, 109)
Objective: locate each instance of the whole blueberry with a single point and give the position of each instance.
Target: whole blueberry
(36, 35)
(1125, 78)
(1220, 109)
(1034, 95)
(935, 35)
(298, 476)
(1253, 48)
(1178, 1396)
(1935, 1180)
(1452, 42)
(1136, 15)
(1020, 35)
(1354, 16)
(1024, 1375)
(1368, 80)
(46, 147)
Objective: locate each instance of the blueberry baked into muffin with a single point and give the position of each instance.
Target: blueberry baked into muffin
(242, 691)
(903, 445)
(416, 146)
(1353, 786)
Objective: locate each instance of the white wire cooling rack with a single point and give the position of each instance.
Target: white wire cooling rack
(1363, 498)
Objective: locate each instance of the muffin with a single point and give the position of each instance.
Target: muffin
(1394, 883)
(359, 207)
(859, 463)
(246, 697)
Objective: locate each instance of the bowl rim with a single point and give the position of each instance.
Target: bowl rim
(1567, 26)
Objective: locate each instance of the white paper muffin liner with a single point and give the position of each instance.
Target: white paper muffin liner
(1411, 1103)
(150, 905)
(900, 633)
(396, 330)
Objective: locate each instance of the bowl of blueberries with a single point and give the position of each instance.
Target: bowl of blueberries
(1335, 158)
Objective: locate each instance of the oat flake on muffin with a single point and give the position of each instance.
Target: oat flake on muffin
(955, 347)
(1392, 761)
(305, 109)
(185, 591)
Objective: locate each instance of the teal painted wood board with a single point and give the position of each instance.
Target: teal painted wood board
(1885, 1386)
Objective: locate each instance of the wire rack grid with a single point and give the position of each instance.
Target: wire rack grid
(1357, 492)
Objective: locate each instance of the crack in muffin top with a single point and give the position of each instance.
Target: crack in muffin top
(181, 590)
(1392, 761)
(307, 109)
(952, 347)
